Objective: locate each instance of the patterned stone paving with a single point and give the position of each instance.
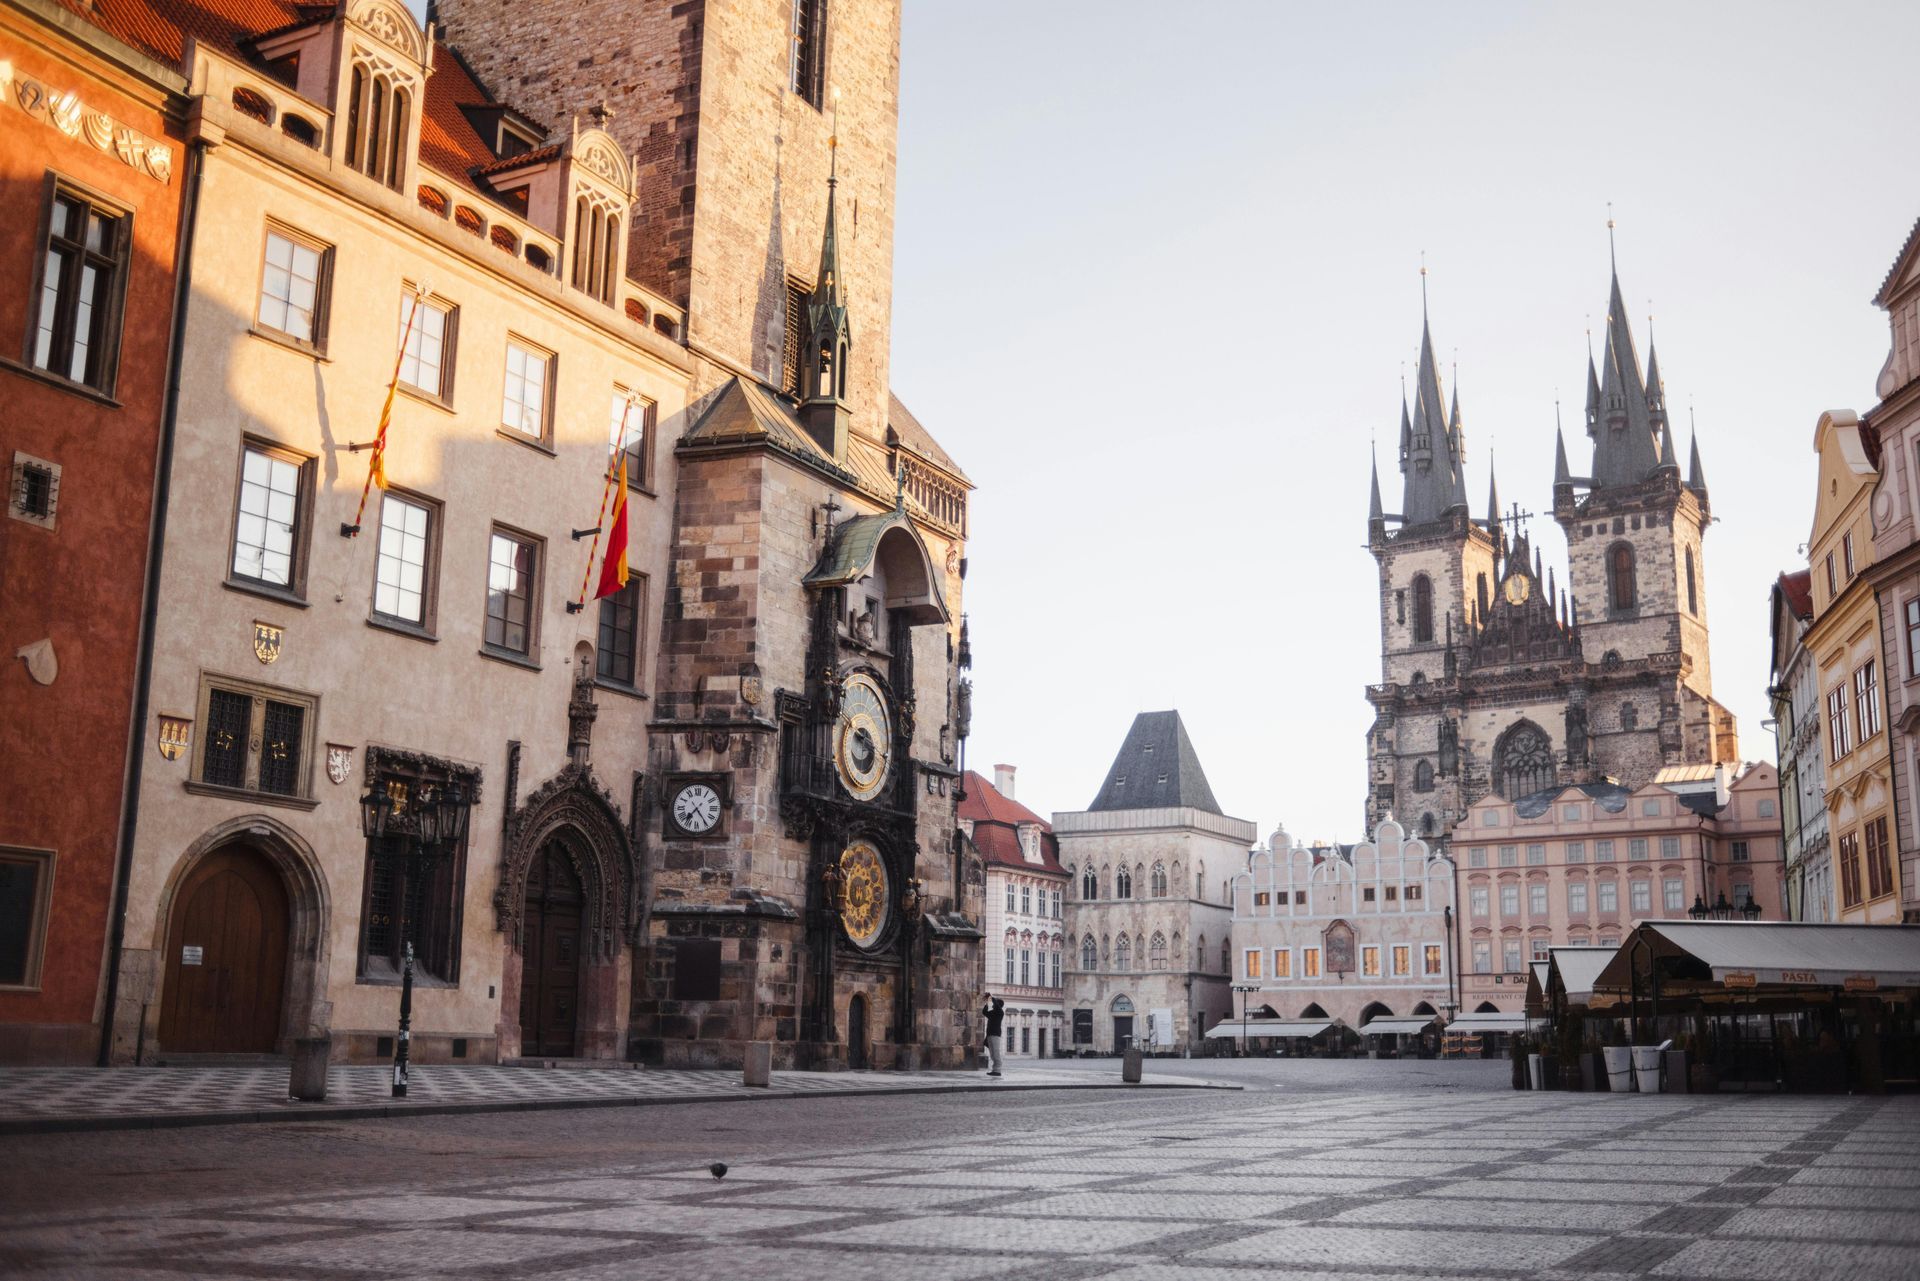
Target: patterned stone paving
(43, 1094)
(1566, 1187)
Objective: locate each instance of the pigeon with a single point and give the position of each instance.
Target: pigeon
(718, 1169)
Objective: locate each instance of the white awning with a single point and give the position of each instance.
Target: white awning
(1254, 1029)
(1578, 967)
(1409, 1026)
(1747, 954)
(1500, 1022)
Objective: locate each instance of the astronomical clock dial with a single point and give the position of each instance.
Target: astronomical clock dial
(696, 808)
(862, 738)
(1517, 588)
(865, 901)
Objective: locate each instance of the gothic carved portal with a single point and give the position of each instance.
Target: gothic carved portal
(572, 811)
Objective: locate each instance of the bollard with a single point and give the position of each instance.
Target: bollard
(759, 1063)
(1130, 1066)
(308, 1079)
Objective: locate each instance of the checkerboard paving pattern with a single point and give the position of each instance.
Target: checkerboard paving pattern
(28, 1093)
(1567, 1187)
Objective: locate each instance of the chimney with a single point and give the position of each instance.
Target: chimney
(1003, 780)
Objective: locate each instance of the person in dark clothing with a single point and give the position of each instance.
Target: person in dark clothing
(995, 1013)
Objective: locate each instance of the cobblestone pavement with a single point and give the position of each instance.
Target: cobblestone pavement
(1364, 1182)
(39, 1095)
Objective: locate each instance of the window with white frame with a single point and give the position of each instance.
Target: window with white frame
(1310, 962)
(1009, 965)
(1509, 856)
(1577, 898)
(293, 288)
(1673, 896)
(1540, 946)
(1576, 852)
(1402, 961)
(1430, 959)
(1482, 956)
(1370, 962)
(1640, 895)
(402, 577)
(1477, 857)
(1026, 900)
(1603, 851)
(269, 533)
(1510, 956)
(1637, 848)
(1649, 808)
(1740, 852)
(1477, 896)
(1282, 963)
(1607, 895)
(426, 364)
(523, 403)
(1026, 965)
(1536, 855)
(1010, 893)
(1537, 900)
(1252, 962)
(1510, 899)
(1669, 847)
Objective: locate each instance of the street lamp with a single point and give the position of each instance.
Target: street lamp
(1243, 989)
(1699, 909)
(413, 825)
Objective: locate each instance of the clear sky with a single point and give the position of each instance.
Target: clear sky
(1156, 279)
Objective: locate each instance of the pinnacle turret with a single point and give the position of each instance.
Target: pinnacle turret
(823, 373)
(1696, 475)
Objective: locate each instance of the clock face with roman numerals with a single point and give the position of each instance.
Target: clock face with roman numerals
(863, 740)
(696, 808)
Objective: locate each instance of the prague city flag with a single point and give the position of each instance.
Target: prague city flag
(613, 570)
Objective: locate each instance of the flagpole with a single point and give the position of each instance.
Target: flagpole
(620, 445)
(377, 464)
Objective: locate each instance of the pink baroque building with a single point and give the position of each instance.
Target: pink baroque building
(1583, 865)
(1348, 933)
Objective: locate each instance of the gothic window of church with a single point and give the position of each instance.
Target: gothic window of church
(1629, 717)
(808, 65)
(1483, 595)
(1159, 880)
(1422, 609)
(1089, 885)
(1200, 953)
(1226, 955)
(1123, 954)
(1426, 827)
(1693, 599)
(1423, 777)
(1621, 592)
(1523, 761)
(1123, 884)
(1089, 954)
(1157, 952)
(1400, 606)
(377, 125)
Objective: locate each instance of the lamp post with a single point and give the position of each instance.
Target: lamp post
(1243, 989)
(412, 825)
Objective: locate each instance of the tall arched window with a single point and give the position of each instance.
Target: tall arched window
(1422, 609)
(1089, 885)
(1159, 880)
(1123, 954)
(1226, 956)
(1123, 884)
(377, 110)
(1089, 954)
(1200, 953)
(1523, 761)
(1621, 591)
(1423, 777)
(1157, 952)
(1693, 599)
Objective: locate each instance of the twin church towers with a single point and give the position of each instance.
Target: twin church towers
(1495, 676)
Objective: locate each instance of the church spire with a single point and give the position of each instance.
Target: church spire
(1696, 475)
(823, 378)
(1624, 429)
(1434, 482)
(1493, 511)
(1376, 514)
(1667, 460)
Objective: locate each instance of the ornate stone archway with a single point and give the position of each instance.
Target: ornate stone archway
(572, 814)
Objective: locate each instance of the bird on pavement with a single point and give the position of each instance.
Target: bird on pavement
(718, 1169)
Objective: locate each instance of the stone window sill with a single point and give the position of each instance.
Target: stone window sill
(251, 795)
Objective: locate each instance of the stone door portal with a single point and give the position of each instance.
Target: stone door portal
(226, 958)
(857, 1032)
(550, 977)
(1122, 1031)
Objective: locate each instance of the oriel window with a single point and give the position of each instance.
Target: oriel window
(83, 266)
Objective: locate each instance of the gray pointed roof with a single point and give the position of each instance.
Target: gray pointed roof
(1696, 475)
(1624, 449)
(1562, 475)
(1375, 511)
(1439, 487)
(1156, 768)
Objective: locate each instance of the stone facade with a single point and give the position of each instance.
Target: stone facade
(1494, 678)
(1895, 573)
(1346, 934)
(92, 130)
(1582, 865)
(1848, 656)
(1024, 949)
(1148, 916)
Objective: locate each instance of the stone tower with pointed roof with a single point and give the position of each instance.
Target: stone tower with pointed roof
(1494, 680)
(1148, 915)
(807, 685)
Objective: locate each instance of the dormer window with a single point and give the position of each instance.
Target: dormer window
(377, 119)
(513, 142)
(596, 253)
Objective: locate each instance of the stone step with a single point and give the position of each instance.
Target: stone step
(593, 1065)
(223, 1060)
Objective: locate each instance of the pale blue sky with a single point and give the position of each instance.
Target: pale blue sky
(1156, 278)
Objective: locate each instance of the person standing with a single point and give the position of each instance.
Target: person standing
(995, 1013)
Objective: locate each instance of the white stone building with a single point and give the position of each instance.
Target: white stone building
(1026, 892)
(1147, 916)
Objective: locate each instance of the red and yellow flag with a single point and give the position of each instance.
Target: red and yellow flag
(613, 570)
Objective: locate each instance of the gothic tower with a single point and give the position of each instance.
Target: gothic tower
(1436, 570)
(1634, 544)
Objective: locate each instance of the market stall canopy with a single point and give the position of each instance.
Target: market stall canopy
(1492, 1022)
(1536, 989)
(1775, 955)
(1405, 1026)
(1573, 970)
(1257, 1028)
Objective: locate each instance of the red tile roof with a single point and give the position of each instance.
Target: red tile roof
(162, 26)
(448, 141)
(997, 821)
(1797, 587)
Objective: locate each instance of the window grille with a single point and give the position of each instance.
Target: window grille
(225, 759)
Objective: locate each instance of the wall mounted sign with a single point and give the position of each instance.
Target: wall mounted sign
(176, 733)
(65, 112)
(191, 954)
(339, 762)
(266, 641)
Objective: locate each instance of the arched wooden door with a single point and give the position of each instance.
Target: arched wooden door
(226, 958)
(550, 969)
(857, 1032)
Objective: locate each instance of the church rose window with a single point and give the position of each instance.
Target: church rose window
(1525, 758)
